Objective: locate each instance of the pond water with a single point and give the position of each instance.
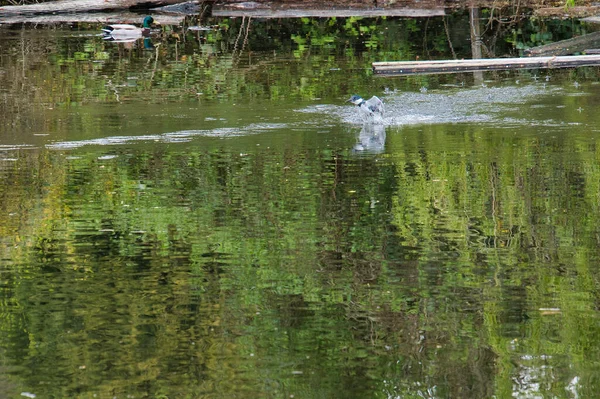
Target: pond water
(203, 216)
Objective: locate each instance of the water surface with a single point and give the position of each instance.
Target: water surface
(209, 218)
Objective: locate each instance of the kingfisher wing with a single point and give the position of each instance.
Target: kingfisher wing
(375, 105)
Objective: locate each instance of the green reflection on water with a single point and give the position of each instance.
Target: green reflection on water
(159, 242)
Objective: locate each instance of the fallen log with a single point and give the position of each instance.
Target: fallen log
(91, 17)
(76, 6)
(489, 64)
(264, 11)
(577, 12)
(566, 47)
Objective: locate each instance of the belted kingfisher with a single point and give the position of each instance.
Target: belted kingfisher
(371, 110)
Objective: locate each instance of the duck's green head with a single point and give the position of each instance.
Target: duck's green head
(148, 21)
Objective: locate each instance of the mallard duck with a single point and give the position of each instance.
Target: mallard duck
(129, 31)
(371, 110)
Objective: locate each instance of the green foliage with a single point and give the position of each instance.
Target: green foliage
(537, 32)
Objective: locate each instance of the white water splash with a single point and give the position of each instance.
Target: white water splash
(480, 105)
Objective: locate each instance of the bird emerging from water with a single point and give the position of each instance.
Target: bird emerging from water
(125, 31)
(371, 110)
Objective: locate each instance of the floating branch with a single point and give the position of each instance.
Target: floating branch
(486, 64)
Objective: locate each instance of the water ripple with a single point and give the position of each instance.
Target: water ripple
(171, 137)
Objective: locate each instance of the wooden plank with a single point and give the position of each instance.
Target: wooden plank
(486, 64)
(219, 11)
(566, 47)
